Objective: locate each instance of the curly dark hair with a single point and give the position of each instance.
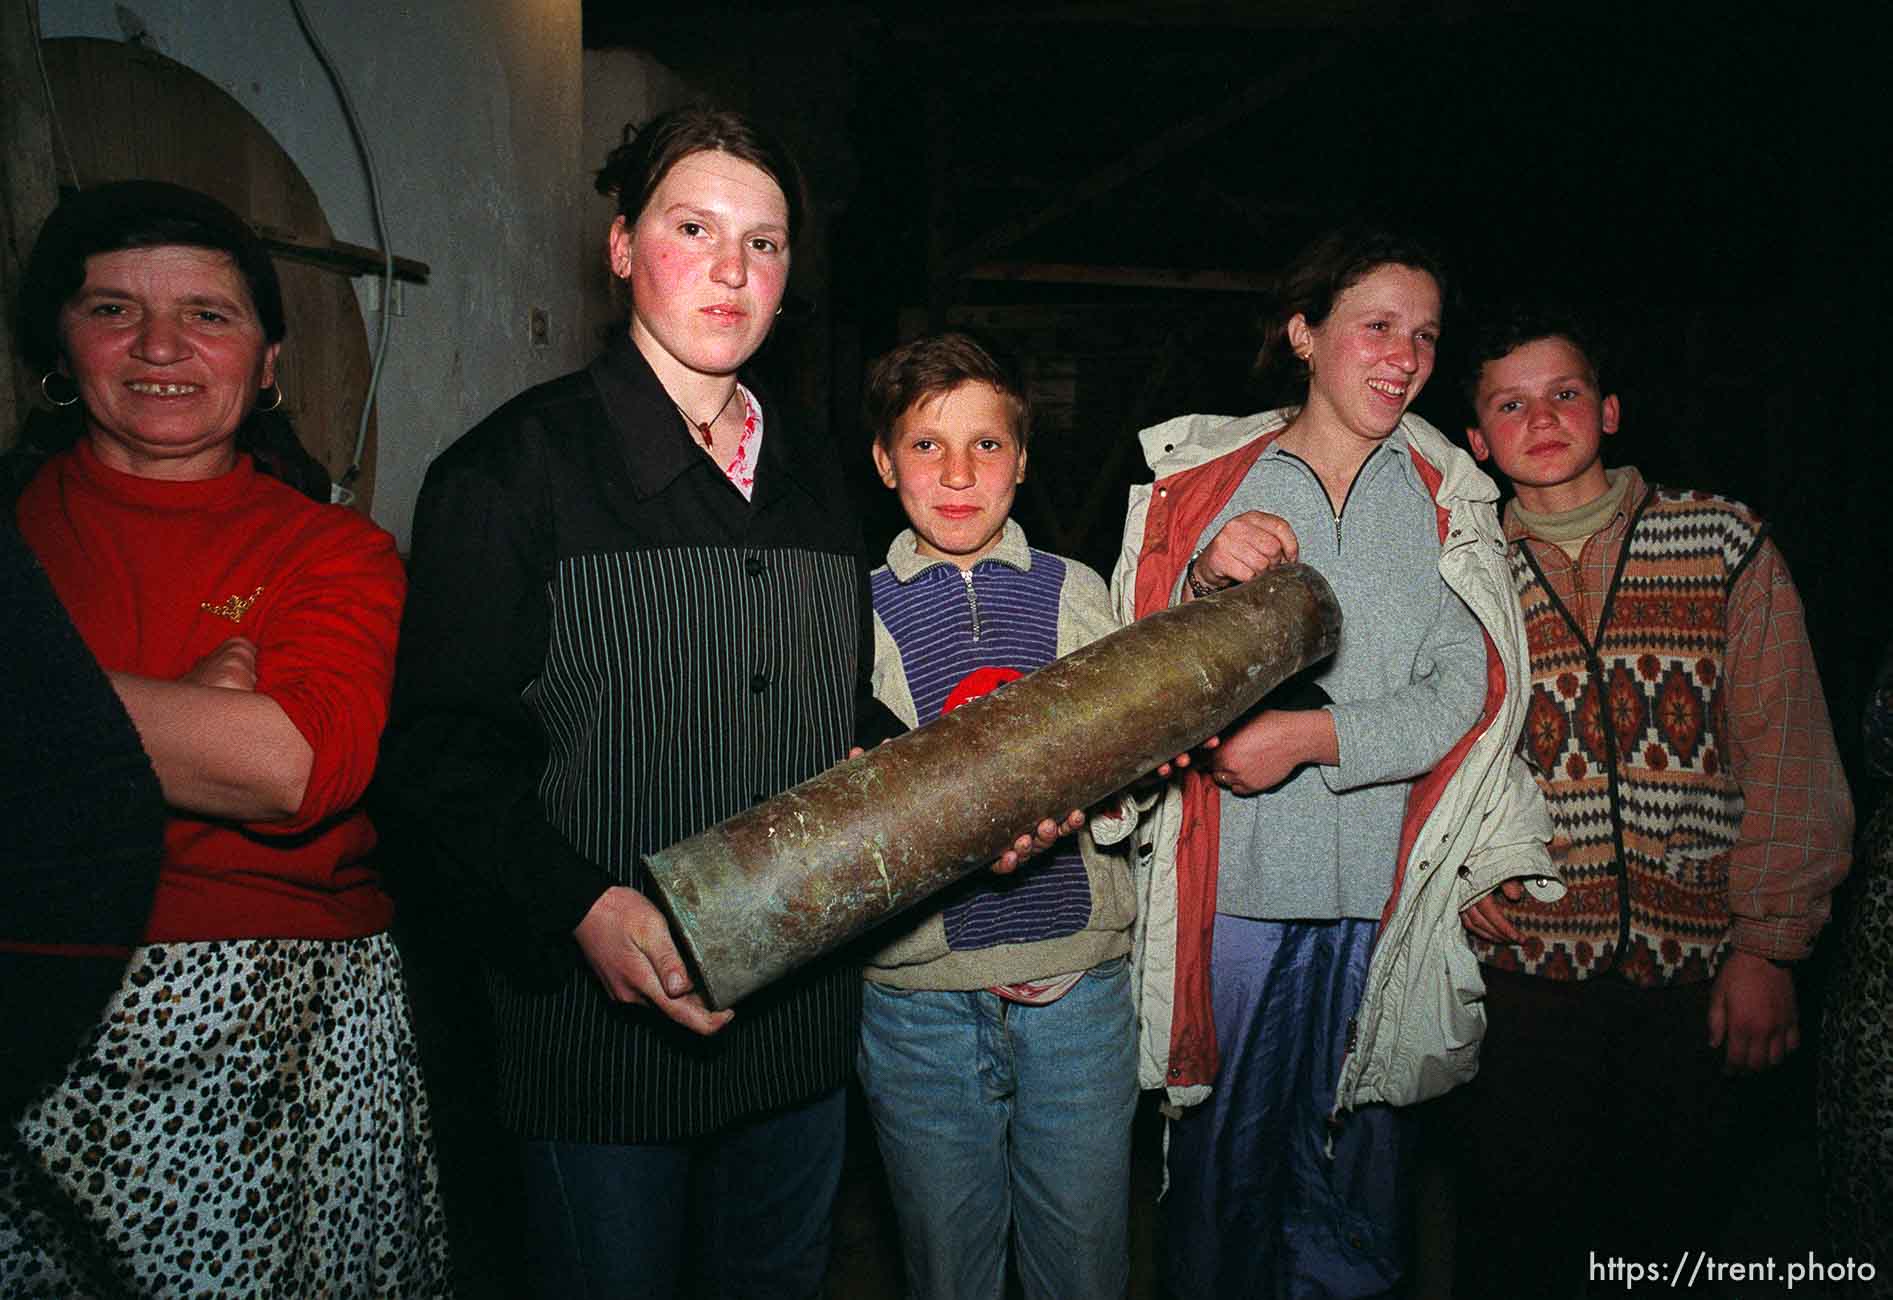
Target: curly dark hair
(1316, 279)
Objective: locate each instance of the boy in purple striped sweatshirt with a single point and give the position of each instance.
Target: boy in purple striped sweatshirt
(998, 1039)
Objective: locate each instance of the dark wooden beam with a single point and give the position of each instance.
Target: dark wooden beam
(1234, 15)
(1166, 146)
(349, 259)
(1256, 214)
(1129, 277)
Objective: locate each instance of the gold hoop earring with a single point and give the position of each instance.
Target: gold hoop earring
(278, 390)
(46, 392)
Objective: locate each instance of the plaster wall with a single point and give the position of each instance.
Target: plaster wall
(621, 87)
(473, 111)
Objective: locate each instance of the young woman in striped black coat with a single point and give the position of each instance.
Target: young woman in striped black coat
(639, 607)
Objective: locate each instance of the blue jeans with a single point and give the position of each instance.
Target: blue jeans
(743, 1213)
(1001, 1120)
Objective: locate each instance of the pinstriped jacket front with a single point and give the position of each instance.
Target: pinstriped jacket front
(607, 650)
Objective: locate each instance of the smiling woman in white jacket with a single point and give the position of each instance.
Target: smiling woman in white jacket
(1306, 879)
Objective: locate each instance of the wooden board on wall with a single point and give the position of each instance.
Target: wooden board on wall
(127, 112)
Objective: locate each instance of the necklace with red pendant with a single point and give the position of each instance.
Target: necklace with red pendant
(703, 426)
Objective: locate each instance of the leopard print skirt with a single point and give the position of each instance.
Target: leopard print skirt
(1855, 1094)
(247, 1120)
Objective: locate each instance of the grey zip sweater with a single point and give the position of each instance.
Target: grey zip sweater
(1408, 681)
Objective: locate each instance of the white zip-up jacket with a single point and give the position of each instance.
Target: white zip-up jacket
(1473, 822)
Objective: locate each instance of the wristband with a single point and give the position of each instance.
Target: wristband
(1198, 587)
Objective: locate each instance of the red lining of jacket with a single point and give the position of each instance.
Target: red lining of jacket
(1169, 537)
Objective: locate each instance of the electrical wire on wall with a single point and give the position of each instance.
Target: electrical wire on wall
(343, 492)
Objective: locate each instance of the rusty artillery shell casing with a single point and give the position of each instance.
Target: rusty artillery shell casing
(796, 876)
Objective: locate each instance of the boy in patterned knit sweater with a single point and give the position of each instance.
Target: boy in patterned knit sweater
(997, 1045)
(1701, 819)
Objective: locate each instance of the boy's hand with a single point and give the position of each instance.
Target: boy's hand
(1047, 834)
(1244, 547)
(1486, 919)
(1752, 1008)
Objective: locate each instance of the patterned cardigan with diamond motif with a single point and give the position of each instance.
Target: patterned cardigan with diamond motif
(1627, 735)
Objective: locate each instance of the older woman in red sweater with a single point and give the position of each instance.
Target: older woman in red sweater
(249, 1117)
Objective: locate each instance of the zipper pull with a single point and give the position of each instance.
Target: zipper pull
(972, 600)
